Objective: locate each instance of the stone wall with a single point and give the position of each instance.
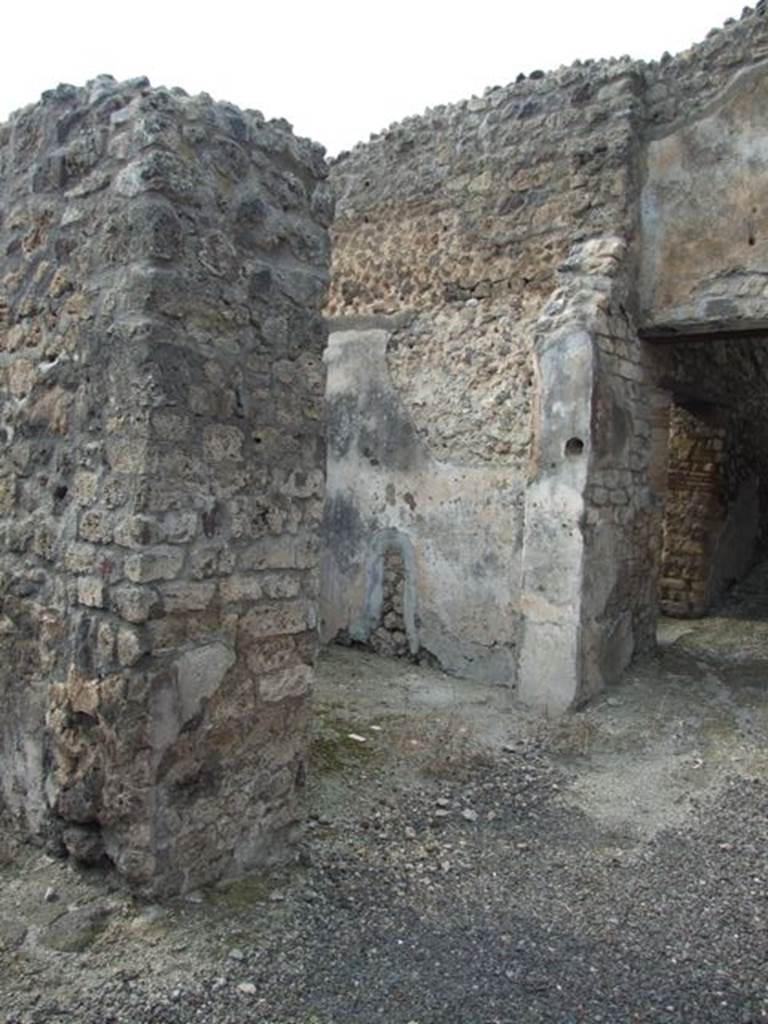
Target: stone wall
(515, 248)
(456, 528)
(462, 217)
(682, 87)
(391, 635)
(449, 235)
(677, 193)
(161, 386)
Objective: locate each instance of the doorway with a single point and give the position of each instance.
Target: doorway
(716, 495)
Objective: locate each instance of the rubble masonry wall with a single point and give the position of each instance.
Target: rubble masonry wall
(450, 232)
(507, 249)
(164, 263)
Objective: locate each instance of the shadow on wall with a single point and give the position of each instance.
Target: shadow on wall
(710, 528)
(388, 620)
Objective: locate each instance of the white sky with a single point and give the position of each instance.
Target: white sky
(336, 69)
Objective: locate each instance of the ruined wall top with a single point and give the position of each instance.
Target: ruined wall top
(683, 85)
(682, 82)
(481, 199)
(486, 196)
(463, 221)
(52, 122)
(79, 152)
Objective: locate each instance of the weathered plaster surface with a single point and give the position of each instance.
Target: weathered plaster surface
(458, 528)
(553, 552)
(588, 560)
(704, 240)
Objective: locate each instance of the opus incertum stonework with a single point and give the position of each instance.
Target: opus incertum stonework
(165, 263)
(543, 397)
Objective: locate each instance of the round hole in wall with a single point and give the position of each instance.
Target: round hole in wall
(574, 446)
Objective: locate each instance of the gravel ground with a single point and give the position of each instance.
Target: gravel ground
(468, 866)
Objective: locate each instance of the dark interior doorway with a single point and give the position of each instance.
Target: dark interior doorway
(715, 526)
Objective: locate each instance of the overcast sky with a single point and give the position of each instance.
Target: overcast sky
(337, 70)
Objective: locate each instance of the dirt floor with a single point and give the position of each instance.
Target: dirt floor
(464, 862)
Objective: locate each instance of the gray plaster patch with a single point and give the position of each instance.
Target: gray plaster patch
(197, 675)
(704, 216)
(456, 528)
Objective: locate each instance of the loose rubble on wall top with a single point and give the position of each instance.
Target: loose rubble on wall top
(734, 43)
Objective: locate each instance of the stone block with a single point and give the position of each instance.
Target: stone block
(286, 683)
(298, 551)
(272, 653)
(105, 643)
(267, 619)
(135, 604)
(95, 526)
(91, 592)
(131, 645)
(240, 588)
(160, 563)
(136, 532)
(280, 586)
(179, 527)
(211, 560)
(81, 558)
(186, 596)
(223, 443)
